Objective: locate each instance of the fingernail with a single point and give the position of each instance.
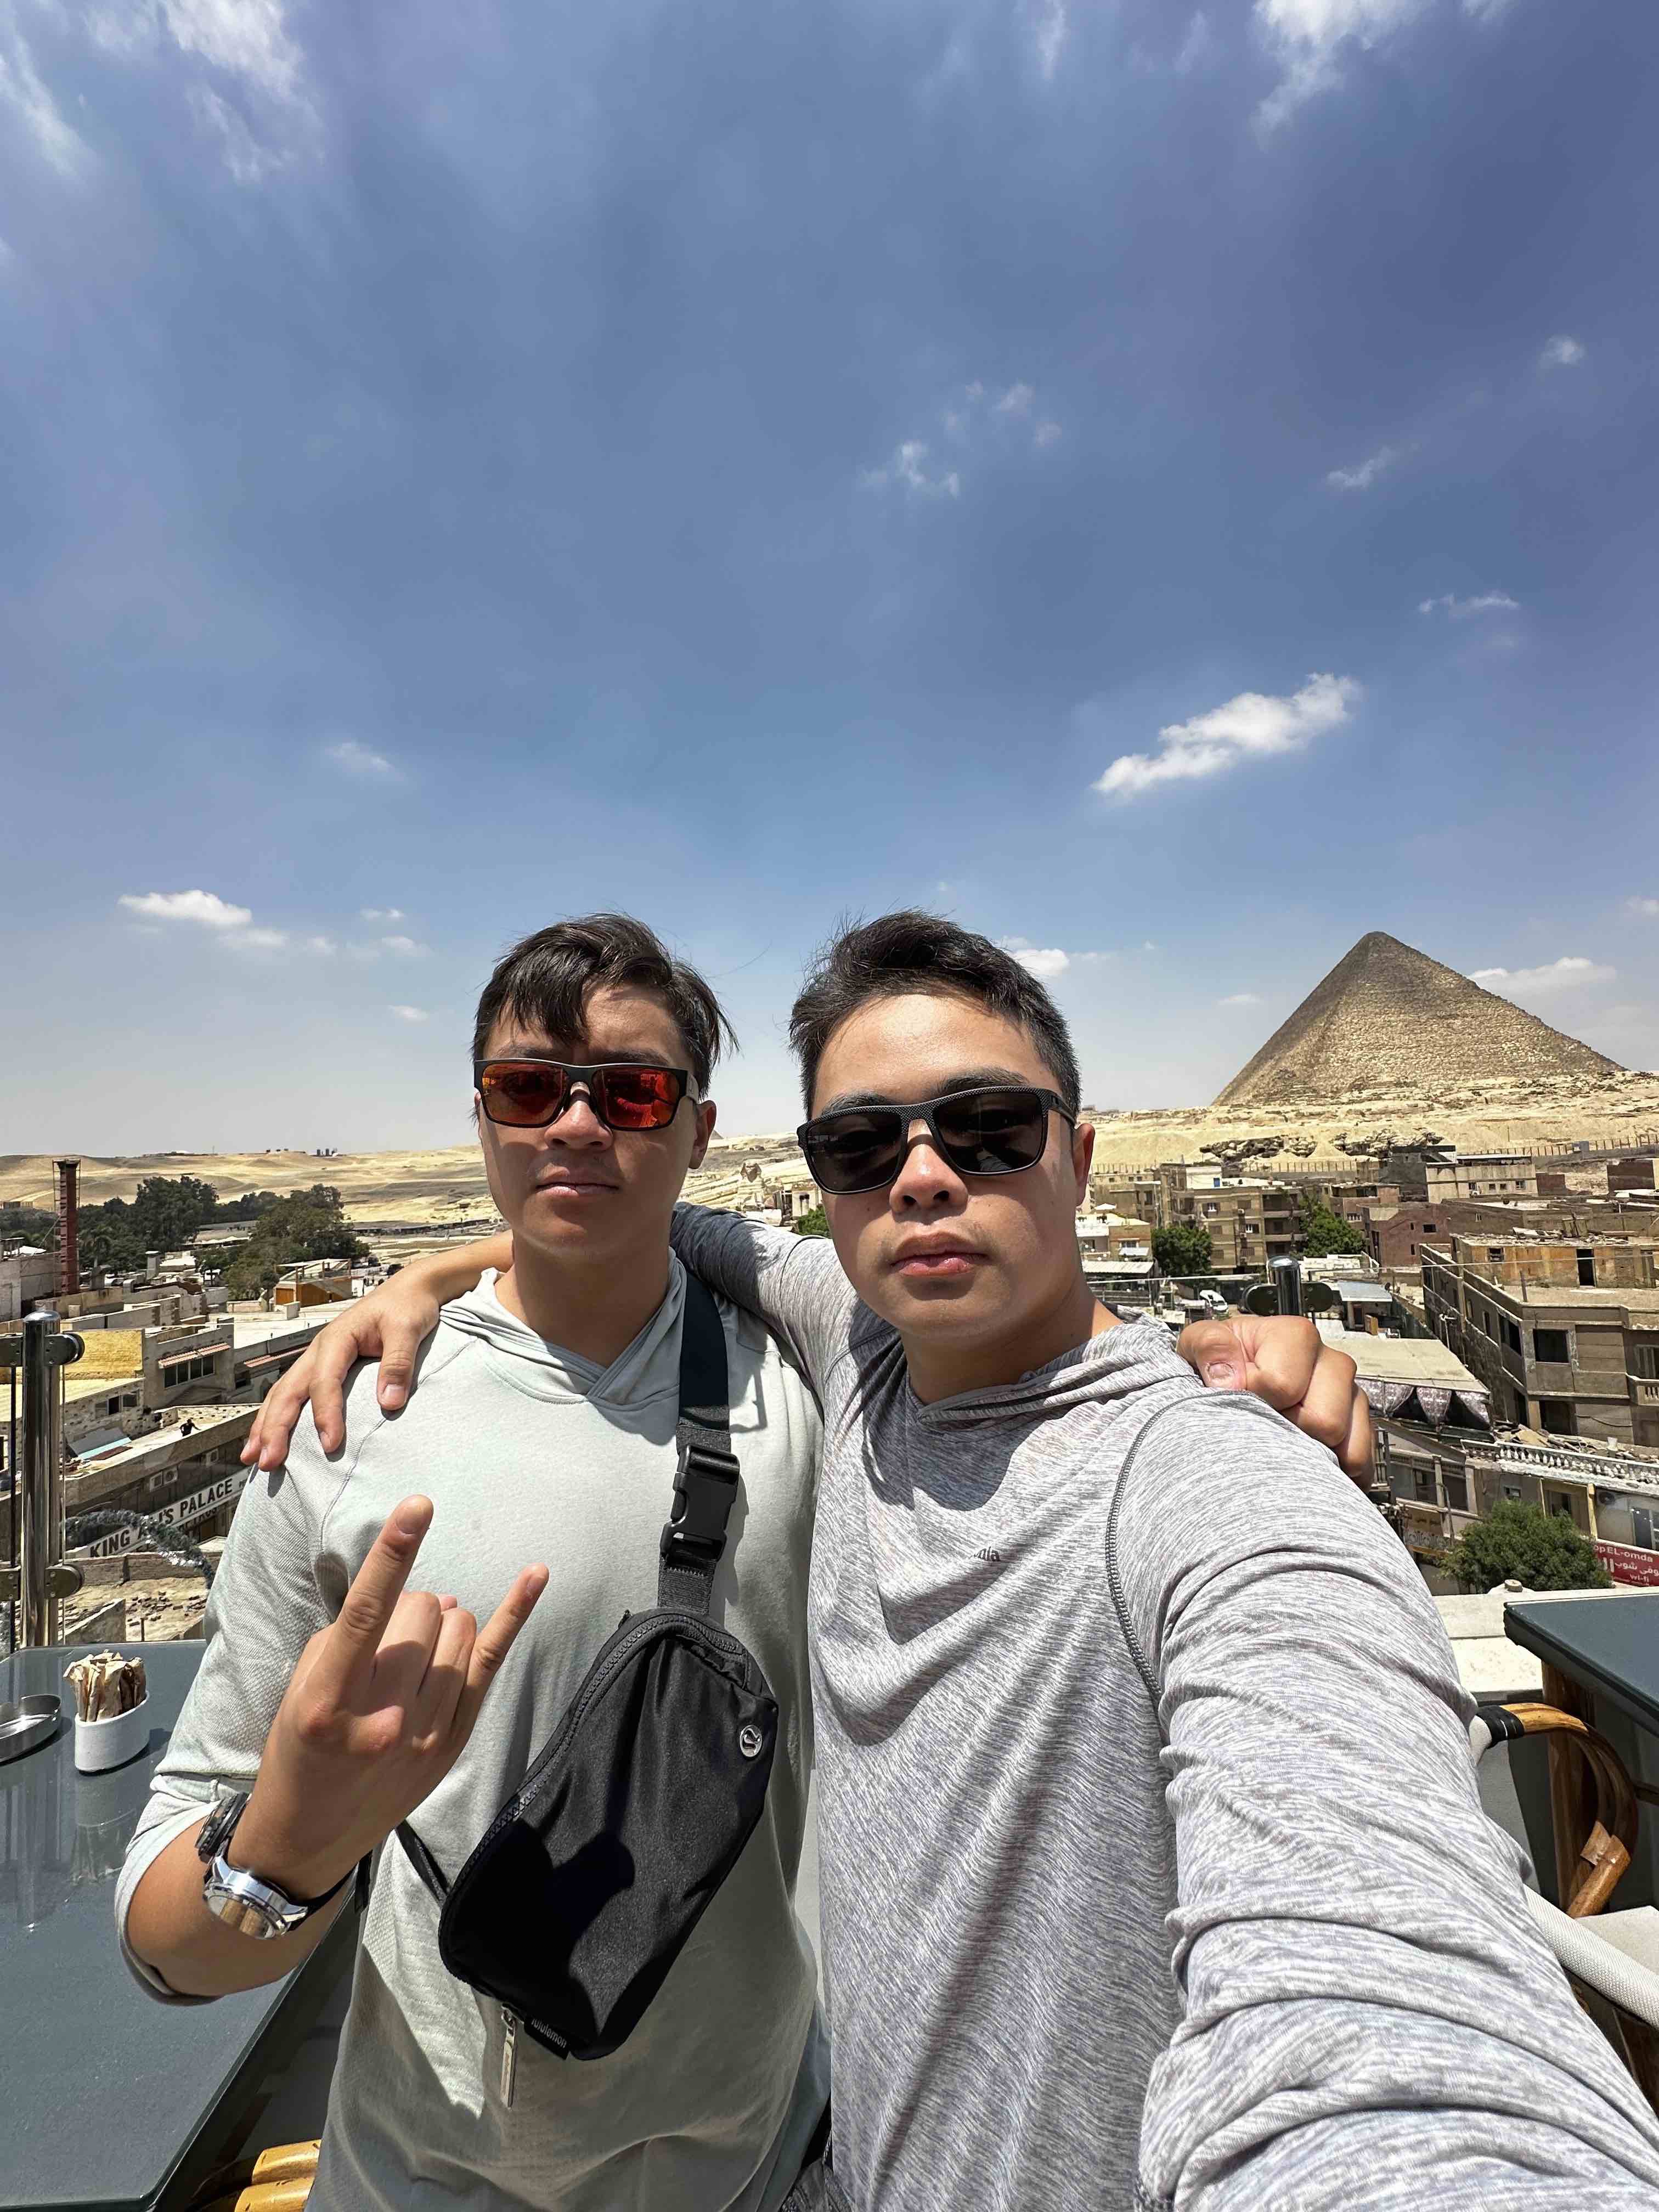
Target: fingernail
(1220, 1374)
(392, 1395)
(411, 1520)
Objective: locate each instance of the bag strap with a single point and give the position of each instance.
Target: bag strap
(706, 1478)
(704, 1490)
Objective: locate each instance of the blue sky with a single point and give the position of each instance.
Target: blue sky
(1176, 489)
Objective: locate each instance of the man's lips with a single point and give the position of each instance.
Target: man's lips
(576, 1185)
(936, 1257)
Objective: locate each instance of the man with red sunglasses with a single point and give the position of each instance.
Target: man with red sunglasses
(335, 1699)
(1105, 1668)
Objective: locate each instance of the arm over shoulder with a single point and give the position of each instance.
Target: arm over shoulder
(1371, 2017)
(795, 1283)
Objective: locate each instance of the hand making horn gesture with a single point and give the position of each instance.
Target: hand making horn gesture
(379, 1709)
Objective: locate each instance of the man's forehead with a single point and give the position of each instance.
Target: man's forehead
(617, 1023)
(924, 1045)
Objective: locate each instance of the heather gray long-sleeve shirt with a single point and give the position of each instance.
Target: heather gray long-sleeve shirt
(1260, 1949)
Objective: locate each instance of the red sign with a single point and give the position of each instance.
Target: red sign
(1628, 1563)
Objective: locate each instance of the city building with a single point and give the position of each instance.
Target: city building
(1251, 1222)
(1565, 1335)
(1441, 1174)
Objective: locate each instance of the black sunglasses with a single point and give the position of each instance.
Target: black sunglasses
(624, 1094)
(994, 1131)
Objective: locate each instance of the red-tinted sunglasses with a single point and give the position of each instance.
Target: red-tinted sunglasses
(624, 1094)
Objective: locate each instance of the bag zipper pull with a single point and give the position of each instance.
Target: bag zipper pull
(509, 2054)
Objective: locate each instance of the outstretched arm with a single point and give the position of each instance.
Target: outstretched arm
(1371, 2018)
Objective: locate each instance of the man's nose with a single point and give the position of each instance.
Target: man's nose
(579, 1124)
(925, 1176)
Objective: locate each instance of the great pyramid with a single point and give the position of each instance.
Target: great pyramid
(1389, 1015)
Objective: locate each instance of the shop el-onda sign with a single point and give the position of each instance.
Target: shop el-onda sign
(1628, 1563)
(183, 1513)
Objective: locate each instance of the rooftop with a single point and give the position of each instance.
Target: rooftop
(1400, 1358)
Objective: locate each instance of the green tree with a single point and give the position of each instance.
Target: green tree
(815, 1222)
(306, 1225)
(1183, 1249)
(1545, 1551)
(1324, 1233)
(109, 1237)
(29, 1224)
(168, 1210)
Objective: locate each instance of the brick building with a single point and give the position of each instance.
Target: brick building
(1565, 1335)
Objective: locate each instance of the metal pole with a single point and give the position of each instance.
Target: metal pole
(1287, 1284)
(38, 1484)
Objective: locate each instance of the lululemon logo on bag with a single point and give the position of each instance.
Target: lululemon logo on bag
(750, 1741)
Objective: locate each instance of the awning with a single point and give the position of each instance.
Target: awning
(1434, 1402)
(100, 1440)
(273, 1359)
(1355, 1290)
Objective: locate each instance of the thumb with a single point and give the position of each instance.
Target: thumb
(1215, 1352)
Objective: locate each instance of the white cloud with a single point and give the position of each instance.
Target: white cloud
(1573, 972)
(410, 1013)
(1051, 27)
(404, 947)
(1047, 961)
(906, 468)
(23, 90)
(1305, 37)
(206, 907)
(324, 947)
(1646, 908)
(1197, 46)
(362, 761)
(1362, 477)
(1488, 603)
(1046, 434)
(1253, 723)
(1562, 352)
(1017, 400)
(1239, 999)
(381, 913)
(247, 38)
(258, 940)
(249, 159)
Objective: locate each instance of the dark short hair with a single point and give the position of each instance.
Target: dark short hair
(547, 980)
(911, 951)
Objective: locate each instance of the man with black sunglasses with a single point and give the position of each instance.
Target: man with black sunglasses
(1108, 1669)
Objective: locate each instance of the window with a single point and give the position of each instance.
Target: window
(1210, 1213)
(1557, 1417)
(1551, 1344)
(1512, 1334)
(1457, 1493)
(1427, 1230)
(1426, 1486)
(1495, 1254)
(1512, 1490)
(1644, 1362)
(1586, 1267)
(1642, 1526)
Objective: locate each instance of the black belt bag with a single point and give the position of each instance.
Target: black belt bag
(590, 1879)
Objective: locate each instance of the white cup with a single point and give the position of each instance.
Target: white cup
(99, 1744)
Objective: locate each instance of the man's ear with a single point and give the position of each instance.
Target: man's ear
(1083, 1151)
(705, 1110)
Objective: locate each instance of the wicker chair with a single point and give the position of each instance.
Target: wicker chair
(1611, 1959)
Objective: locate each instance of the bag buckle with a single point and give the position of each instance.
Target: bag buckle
(705, 1485)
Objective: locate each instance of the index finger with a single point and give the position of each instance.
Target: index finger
(496, 1639)
(377, 1586)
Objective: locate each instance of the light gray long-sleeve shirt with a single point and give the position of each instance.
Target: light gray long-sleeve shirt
(529, 1452)
(1260, 1949)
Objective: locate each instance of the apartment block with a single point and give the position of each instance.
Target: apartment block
(1565, 1335)
(1251, 1222)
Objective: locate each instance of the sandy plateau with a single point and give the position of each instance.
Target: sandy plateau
(439, 1189)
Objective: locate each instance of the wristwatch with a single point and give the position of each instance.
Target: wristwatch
(242, 1900)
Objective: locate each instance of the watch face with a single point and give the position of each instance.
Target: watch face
(220, 1825)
